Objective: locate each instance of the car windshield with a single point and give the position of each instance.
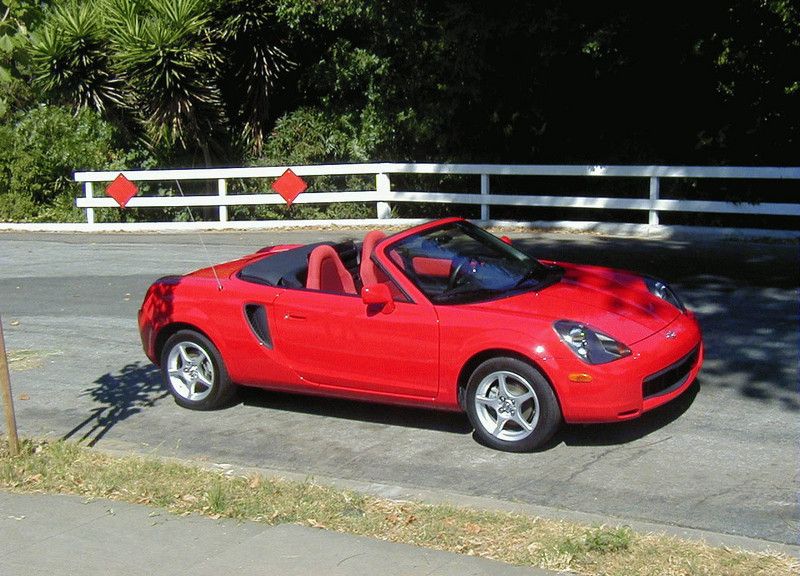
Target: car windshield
(459, 263)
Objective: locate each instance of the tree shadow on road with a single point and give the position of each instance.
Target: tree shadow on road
(118, 396)
(745, 295)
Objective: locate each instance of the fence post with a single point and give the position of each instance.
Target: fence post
(383, 186)
(88, 192)
(485, 191)
(222, 187)
(655, 186)
(8, 400)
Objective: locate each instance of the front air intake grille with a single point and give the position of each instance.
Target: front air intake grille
(672, 377)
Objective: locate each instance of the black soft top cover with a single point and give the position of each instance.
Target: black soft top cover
(287, 268)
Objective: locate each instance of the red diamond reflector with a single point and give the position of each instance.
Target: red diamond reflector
(289, 186)
(122, 190)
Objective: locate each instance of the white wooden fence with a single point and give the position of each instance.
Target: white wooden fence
(482, 194)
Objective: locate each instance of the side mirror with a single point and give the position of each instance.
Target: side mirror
(506, 239)
(378, 295)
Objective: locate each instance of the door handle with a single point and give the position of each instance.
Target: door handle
(290, 316)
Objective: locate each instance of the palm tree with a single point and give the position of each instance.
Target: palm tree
(166, 51)
(71, 59)
(254, 60)
(187, 70)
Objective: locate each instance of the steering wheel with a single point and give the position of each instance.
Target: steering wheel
(452, 280)
(465, 265)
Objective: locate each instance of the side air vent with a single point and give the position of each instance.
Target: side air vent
(257, 318)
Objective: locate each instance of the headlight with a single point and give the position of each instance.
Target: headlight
(589, 345)
(661, 290)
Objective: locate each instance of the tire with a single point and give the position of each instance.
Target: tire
(194, 373)
(511, 405)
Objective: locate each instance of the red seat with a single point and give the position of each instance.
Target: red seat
(327, 273)
(367, 268)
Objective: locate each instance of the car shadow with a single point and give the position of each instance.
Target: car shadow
(407, 417)
(615, 433)
(457, 423)
(117, 397)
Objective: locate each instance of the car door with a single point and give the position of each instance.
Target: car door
(335, 340)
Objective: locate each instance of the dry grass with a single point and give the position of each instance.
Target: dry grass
(19, 360)
(609, 550)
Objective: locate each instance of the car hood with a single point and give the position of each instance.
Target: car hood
(615, 302)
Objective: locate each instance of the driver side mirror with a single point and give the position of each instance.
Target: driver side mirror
(378, 295)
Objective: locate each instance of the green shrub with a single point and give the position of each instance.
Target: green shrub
(41, 148)
(309, 136)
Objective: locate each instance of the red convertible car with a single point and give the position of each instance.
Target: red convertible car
(443, 315)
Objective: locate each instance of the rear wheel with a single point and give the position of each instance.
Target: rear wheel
(511, 405)
(194, 373)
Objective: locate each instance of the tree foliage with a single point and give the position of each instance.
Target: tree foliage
(292, 81)
(39, 150)
(166, 53)
(554, 81)
(254, 61)
(17, 17)
(191, 73)
(71, 59)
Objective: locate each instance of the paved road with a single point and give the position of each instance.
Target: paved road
(724, 458)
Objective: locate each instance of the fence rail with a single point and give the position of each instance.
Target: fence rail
(383, 193)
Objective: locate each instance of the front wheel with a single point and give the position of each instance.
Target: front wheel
(194, 373)
(511, 405)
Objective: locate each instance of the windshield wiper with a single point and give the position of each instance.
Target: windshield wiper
(536, 272)
(467, 294)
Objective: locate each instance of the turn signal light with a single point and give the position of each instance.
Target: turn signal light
(582, 378)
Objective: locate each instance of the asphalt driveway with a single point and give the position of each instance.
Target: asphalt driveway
(723, 458)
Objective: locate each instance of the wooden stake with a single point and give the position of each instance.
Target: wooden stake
(8, 401)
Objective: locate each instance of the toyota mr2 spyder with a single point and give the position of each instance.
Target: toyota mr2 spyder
(443, 315)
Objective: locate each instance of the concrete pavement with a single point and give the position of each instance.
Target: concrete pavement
(44, 534)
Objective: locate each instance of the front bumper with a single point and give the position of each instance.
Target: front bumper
(146, 334)
(659, 369)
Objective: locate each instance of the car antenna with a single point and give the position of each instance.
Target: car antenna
(200, 236)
